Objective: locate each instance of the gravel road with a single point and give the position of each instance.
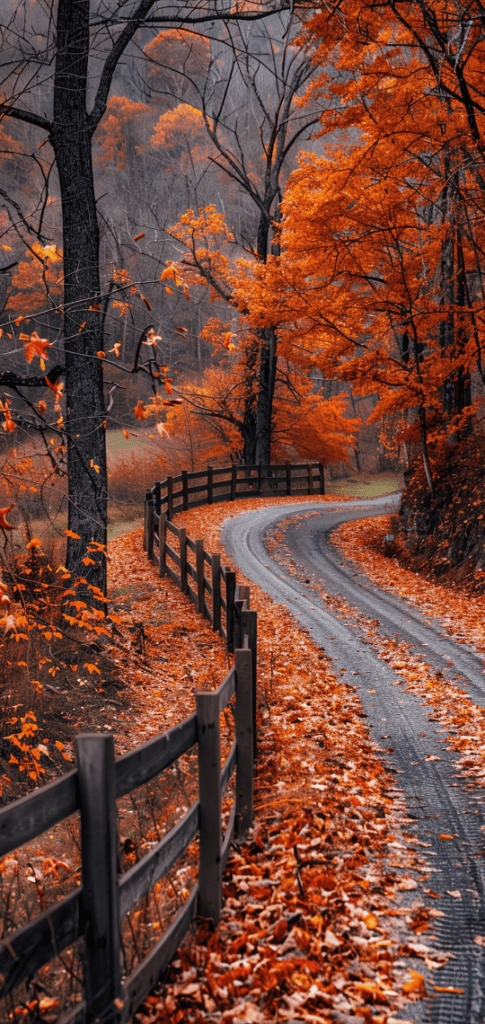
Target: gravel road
(439, 799)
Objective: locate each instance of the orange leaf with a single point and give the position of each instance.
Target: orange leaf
(416, 985)
(3, 522)
(145, 300)
(137, 237)
(370, 921)
(448, 988)
(91, 668)
(125, 432)
(35, 347)
(168, 272)
(140, 411)
(70, 533)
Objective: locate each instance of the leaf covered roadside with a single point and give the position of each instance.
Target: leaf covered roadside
(363, 543)
(320, 902)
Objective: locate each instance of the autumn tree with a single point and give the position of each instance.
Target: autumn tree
(249, 106)
(380, 274)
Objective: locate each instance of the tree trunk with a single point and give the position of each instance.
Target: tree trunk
(424, 445)
(83, 330)
(264, 410)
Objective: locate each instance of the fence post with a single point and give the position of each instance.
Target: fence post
(148, 495)
(249, 628)
(150, 528)
(99, 848)
(216, 593)
(245, 741)
(322, 477)
(157, 497)
(237, 637)
(230, 595)
(185, 491)
(310, 477)
(162, 535)
(210, 828)
(199, 566)
(233, 481)
(169, 497)
(183, 559)
(210, 485)
(288, 477)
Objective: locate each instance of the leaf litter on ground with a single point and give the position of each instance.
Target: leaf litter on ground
(320, 902)
(320, 910)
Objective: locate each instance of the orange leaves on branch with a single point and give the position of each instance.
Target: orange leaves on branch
(8, 423)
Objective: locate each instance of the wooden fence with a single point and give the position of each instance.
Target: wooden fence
(210, 586)
(95, 910)
(232, 483)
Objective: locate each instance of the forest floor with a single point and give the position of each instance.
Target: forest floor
(320, 921)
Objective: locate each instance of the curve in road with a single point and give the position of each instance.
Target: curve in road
(439, 800)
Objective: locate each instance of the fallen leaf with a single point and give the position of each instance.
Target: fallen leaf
(416, 986)
(449, 988)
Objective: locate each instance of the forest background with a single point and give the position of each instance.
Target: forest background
(238, 235)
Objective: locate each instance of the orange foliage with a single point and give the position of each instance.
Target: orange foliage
(379, 280)
(35, 280)
(175, 53)
(120, 113)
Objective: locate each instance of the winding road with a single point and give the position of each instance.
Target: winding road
(439, 799)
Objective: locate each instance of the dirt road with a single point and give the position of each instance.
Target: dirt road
(439, 799)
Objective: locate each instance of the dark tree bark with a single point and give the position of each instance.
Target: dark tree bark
(71, 137)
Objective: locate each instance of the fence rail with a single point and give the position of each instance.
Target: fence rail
(94, 912)
(232, 483)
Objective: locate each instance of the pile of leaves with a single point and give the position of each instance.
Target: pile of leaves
(444, 533)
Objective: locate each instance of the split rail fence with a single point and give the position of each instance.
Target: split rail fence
(233, 483)
(210, 586)
(94, 912)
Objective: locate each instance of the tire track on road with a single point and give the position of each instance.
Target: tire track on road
(439, 799)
